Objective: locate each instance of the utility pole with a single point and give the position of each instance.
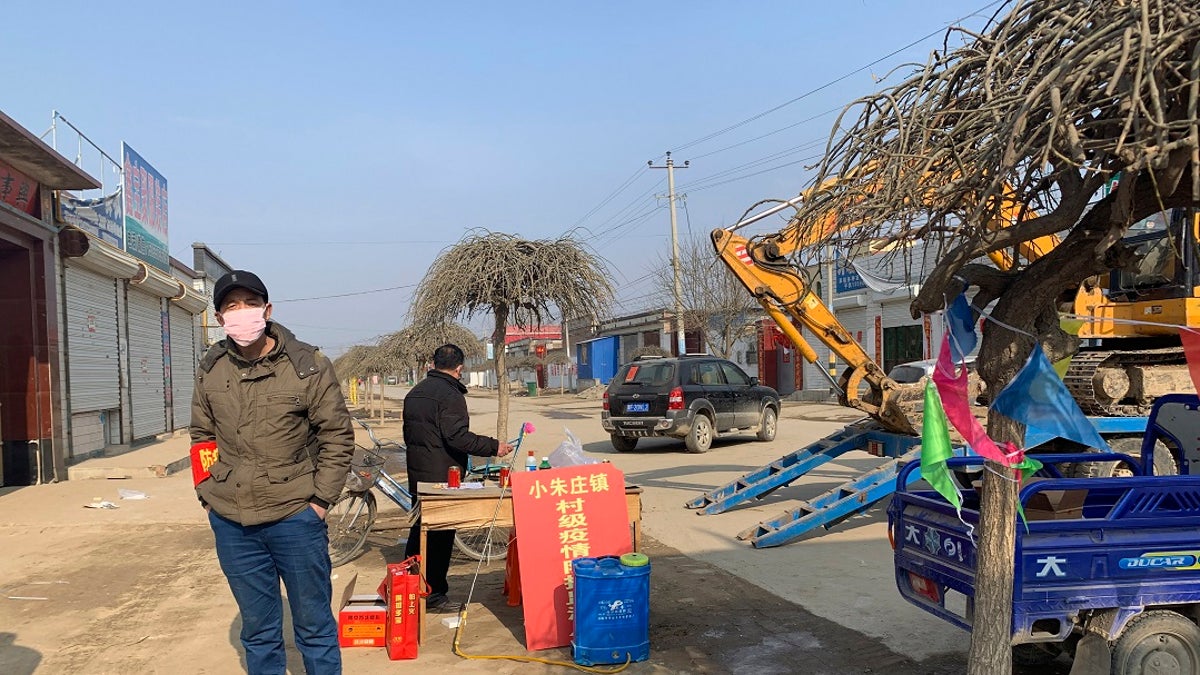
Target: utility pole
(827, 274)
(680, 341)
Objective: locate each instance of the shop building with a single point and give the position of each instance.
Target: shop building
(32, 426)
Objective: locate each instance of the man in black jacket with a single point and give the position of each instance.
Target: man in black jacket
(437, 436)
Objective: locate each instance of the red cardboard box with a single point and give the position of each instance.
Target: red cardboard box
(361, 618)
(402, 588)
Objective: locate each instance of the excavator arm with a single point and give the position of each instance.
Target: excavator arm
(785, 295)
(764, 266)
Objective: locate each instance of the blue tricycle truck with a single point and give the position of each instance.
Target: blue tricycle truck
(1118, 557)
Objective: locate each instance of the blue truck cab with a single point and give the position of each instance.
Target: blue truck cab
(1118, 557)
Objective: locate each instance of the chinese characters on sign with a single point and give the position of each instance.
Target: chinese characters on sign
(204, 455)
(18, 190)
(560, 515)
(145, 192)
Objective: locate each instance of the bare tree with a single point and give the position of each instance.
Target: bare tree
(714, 302)
(353, 362)
(559, 357)
(411, 348)
(1025, 122)
(515, 280)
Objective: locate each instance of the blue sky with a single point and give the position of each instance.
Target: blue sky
(337, 148)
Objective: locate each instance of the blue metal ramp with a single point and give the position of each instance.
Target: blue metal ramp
(828, 509)
(865, 435)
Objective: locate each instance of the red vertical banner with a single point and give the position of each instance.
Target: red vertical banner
(560, 515)
(928, 337)
(761, 331)
(879, 339)
(1191, 350)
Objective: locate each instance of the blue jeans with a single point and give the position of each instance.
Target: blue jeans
(254, 559)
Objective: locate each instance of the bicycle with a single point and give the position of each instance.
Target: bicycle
(351, 517)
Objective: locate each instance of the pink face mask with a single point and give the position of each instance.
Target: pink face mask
(245, 326)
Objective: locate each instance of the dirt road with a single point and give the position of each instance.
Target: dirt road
(137, 589)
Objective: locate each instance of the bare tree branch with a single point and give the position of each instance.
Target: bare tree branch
(714, 302)
(515, 280)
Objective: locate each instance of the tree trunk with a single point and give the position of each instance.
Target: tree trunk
(991, 628)
(498, 335)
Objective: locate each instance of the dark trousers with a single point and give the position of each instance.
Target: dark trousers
(439, 544)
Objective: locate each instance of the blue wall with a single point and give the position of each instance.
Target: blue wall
(598, 359)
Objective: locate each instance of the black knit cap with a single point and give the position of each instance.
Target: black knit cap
(237, 279)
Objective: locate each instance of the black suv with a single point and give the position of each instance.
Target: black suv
(693, 397)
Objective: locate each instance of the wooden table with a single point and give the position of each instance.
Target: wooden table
(447, 509)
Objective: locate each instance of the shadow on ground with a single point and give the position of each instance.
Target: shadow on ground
(702, 620)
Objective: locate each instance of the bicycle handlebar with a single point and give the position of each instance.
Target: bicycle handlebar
(383, 444)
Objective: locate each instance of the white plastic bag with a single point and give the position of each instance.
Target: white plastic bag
(570, 453)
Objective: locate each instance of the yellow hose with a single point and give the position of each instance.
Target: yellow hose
(462, 621)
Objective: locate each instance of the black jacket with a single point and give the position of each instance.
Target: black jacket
(436, 429)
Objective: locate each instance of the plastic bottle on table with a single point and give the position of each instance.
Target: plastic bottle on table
(545, 463)
(531, 462)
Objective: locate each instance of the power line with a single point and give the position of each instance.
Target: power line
(358, 242)
(835, 81)
(612, 195)
(345, 295)
(771, 133)
(756, 173)
(754, 163)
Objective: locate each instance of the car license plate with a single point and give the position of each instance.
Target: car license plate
(637, 407)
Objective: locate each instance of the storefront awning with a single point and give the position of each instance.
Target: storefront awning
(32, 157)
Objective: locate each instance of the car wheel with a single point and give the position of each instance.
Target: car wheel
(624, 443)
(700, 438)
(768, 424)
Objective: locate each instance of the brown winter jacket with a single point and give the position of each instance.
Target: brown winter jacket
(283, 433)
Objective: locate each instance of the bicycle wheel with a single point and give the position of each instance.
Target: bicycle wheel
(474, 542)
(349, 521)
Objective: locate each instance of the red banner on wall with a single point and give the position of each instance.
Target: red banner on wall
(560, 515)
(19, 190)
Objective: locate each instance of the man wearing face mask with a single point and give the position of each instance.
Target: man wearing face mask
(284, 442)
(437, 433)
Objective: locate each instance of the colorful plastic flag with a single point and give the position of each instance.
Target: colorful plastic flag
(936, 449)
(1038, 399)
(960, 320)
(1027, 467)
(1191, 349)
(953, 391)
(1061, 367)
(1069, 326)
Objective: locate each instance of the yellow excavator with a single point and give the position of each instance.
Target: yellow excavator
(1121, 362)
(765, 266)
(1131, 353)
(1123, 366)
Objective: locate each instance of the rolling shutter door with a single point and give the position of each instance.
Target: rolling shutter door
(93, 364)
(146, 386)
(854, 320)
(183, 365)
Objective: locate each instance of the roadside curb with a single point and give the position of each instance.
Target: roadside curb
(119, 472)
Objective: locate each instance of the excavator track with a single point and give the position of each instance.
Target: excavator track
(1081, 378)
